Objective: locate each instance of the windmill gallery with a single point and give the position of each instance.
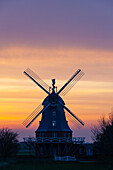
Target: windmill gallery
(54, 136)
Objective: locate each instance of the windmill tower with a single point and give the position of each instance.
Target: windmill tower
(53, 122)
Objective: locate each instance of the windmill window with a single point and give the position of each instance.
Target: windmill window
(64, 134)
(54, 113)
(53, 123)
(68, 134)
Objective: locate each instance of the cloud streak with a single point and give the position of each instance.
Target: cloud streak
(49, 62)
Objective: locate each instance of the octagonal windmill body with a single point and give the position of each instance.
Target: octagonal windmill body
(53, 122)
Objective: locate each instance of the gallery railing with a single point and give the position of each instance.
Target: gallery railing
(75, 140)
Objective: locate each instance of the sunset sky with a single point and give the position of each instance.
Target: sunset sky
(55, 38)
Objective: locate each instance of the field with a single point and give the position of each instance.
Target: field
(52, 165)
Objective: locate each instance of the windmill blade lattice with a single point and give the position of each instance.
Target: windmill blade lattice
(72, 114)
(71, 82)
(28, 72)
(73, 121)
(32, 115)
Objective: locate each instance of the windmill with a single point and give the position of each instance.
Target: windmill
(53, 122)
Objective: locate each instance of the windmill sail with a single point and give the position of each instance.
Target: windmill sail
(27, 122)
(71, 82)
(73, 120)
(72, 114)
(56, 106)
(28, 72)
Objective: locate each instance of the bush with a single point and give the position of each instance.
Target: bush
(8, 143)
(103, 137)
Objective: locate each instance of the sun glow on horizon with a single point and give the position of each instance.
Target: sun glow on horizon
(19, 96)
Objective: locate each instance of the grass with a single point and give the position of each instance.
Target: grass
(52, 165)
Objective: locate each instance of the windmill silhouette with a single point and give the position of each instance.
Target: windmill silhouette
(53, 122)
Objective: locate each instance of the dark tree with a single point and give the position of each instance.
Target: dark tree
(103, 137)
(8, 143)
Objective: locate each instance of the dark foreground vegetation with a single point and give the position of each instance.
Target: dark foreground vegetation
(8, 143)
(102, 158)
(50, 165)
(103, 137)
